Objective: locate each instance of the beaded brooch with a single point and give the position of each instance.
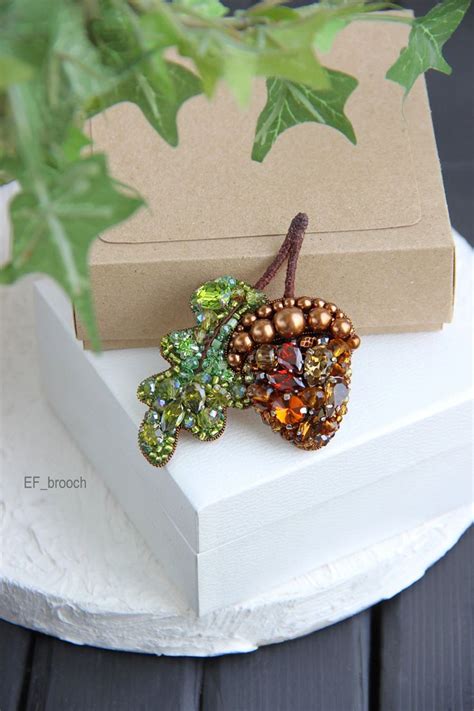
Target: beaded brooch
(289, 358)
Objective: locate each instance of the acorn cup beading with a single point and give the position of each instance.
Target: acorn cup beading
(295, 357)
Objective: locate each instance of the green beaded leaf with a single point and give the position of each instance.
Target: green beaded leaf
(195, 392)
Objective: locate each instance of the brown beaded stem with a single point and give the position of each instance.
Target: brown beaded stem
(290, 250)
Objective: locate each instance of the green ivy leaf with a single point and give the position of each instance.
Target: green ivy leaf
(426, 40)
(205, 8)
(148, 91)
(290, 104)
(13, 71)
(54, 221)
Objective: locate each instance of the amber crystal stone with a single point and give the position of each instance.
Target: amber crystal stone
(290, 357)
(336, 392)
(260, 395)
(284, 381)
(313, 397)
(289, 410)
(265, 357)
(317, 364)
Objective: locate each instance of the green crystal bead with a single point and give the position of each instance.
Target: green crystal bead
(172, 417)
(213, 295)
(209, 423)
(239, 391)
(146, 389)
(218, 397)
(165, 392)
(194, 397)
(189, 421)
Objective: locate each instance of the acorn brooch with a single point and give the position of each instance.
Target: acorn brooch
(290, 359)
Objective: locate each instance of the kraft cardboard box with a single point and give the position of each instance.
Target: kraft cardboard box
(379, 242)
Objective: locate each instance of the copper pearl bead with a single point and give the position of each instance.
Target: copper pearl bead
(289, 321)
(248, 319)
(277, 305)
(319, 303)
(262, 331)
(353, 342)
(288, 301)
(264, 311)
(341, 327)
(305, 303)
(332, 308)
(319, 319)
(234, 360)
(242, 342)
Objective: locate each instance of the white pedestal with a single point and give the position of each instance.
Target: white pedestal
(232, 519)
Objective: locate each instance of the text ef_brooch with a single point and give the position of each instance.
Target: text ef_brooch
(289, 359)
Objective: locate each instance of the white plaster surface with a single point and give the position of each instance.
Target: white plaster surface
(75, 567)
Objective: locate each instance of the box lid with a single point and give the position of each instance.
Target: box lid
(311, 167)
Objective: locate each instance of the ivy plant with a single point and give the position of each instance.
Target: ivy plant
(62, 61)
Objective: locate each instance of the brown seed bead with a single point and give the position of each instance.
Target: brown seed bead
(340, 314)
(248, 319)
(319, 303)
(242, 342)
(264, 311)
(319, 319)
(289, 321)
(341, 327)
(331, 307)
(304, 302)
(277, 305)
(353, 342)
(262, 331)
(234, 360)
(288, 301)
(239, 327)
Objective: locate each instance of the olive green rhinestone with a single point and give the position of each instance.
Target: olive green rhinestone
(194, 397)
(172, 417)
(218, 396)
(213, 295)
(146, 390)
(209, 423)
(166, 391)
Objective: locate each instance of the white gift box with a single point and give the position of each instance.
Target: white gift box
(233, 518)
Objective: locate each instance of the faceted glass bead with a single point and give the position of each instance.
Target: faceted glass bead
(194, 397)
(337, 392)
(290, 358)
(146, 389)
(265, 357)
(288, 410)
(313, 397)
(342, 353)
(210, 422)
(172, 416)
(189, 421)
(218, 396)
(239, 391)
(260, 395)
(284, 381)
(214, 295)
(150, 432)
(317, 364)
(165, 391)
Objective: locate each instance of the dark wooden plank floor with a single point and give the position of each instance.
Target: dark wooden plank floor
(410, 653)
